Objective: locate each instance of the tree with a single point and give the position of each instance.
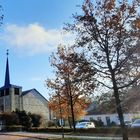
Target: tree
(131, 99)
(24, 118)
(78, 108)
(110, 30)
(106, 102)
(74, 78)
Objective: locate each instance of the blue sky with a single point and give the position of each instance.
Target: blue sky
(31, 30)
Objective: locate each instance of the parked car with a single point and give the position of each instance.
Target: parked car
(136, 123)
(85, 125)
(127, 123)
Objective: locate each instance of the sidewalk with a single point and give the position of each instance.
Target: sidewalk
(45, 136)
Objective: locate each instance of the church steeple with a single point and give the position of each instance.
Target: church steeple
(7, 75)
(10, 99)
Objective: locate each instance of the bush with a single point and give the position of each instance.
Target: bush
(98, 123)
(35, 119)
(24, 118)
(51, 123)
(28, 120)
(21, 118)
(112, 124)
(10, 118)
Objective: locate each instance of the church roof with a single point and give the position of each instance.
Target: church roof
(26, 92)
(32, 90)
(10, 86)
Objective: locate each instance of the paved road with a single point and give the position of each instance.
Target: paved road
(34, 136)
(10, 137)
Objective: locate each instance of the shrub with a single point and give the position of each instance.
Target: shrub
(98, 123)
(10, 118)
(112, 124)
(35, 119)
(51, 123)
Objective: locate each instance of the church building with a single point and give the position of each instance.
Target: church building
(12, 97)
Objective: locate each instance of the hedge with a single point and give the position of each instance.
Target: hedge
(134, 132)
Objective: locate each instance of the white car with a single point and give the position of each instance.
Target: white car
(136, 123)
(85, 125)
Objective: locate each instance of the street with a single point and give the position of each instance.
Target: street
(10, 137)
(36, 136)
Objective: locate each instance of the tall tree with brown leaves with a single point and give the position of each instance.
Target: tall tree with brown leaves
(110, 30)
(74, 78)
(79, 107)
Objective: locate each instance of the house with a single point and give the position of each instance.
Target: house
(107, 119)
(94, 113)
(12, 97)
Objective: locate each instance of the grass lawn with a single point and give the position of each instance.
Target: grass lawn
(65, 139)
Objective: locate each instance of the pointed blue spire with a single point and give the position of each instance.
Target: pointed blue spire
(7, 75)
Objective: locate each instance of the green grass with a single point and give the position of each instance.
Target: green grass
(65, 139)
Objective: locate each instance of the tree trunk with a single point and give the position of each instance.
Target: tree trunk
(69, 118)
(71, 102)
(72, 111)
(61, 118)
(120, 114)
(69, 121)
(119, 111)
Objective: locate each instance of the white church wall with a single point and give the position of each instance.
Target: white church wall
(35, 104)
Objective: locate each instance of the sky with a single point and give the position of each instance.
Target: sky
(32, 30)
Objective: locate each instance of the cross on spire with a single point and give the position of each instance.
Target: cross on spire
(7, 52)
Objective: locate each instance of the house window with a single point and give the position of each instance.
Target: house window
(99, 118)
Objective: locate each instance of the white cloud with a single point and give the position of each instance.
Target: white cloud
(34, 38)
